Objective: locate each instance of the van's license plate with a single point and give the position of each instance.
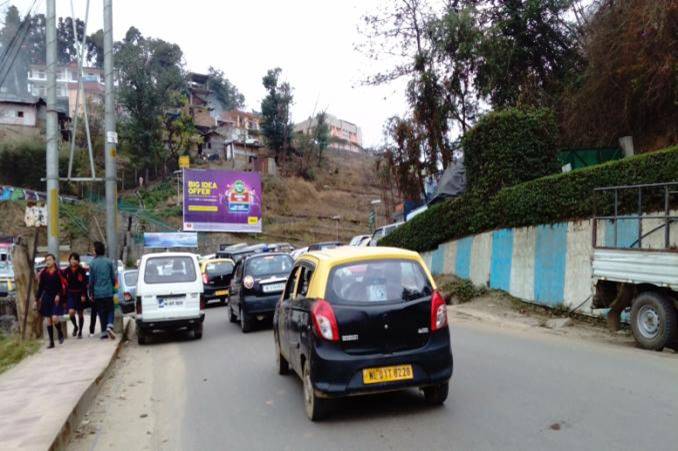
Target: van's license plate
(162, 303)
(272, 288)
(387, 374)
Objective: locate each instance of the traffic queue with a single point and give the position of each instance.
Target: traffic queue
(347, 319)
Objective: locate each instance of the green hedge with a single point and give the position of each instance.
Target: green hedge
(510, 146)
(547, 200)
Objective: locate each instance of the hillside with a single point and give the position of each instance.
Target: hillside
(295, 210)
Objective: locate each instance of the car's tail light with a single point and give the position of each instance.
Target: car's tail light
(205, 279)
(438, 312)
(324, 321)
(138, 305)
(202, 303)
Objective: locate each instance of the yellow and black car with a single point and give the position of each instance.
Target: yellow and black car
(216, 278)
(362, 320)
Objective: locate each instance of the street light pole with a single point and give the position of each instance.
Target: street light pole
(111, 136)
(337, 219)
(52, 125)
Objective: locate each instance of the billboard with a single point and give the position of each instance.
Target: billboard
(216, 200)
(170, 240)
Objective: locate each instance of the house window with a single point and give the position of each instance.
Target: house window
(209, 145)
(19, 114)
(41, 75)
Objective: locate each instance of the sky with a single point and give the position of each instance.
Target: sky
(311, 40)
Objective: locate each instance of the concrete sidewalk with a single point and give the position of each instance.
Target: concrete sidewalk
(45, 394)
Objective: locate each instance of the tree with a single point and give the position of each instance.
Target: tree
(180, 132)
(150, 81)
(276, 125)
(95, 48)
(67, 42)
(527, 52)
(404, 157)
(13, 64)
(227, 94)
(321, 134)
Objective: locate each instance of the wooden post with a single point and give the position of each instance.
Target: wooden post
(24, 275)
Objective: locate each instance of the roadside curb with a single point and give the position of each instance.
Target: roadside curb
(85, 402)
(464, 313)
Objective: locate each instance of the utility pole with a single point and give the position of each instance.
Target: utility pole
(111, 136)
(52, 133)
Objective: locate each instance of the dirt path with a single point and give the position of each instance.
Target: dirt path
(131, 410)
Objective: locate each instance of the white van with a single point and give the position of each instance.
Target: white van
(169, 289)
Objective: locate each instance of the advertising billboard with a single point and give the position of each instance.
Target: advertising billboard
(217, 200)
(170, 240)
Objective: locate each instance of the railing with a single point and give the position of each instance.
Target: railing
(653, 198)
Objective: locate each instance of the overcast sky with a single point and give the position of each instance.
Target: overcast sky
(311, 40)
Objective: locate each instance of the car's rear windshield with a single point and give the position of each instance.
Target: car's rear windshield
(373, 281)
(169, 270)
(131, 278)
(269, 265)
(219, 268)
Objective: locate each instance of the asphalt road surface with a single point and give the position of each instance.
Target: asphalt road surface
(511, 389)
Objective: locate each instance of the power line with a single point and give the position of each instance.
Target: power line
(24, 32)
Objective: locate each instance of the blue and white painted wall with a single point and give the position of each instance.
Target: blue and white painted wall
(545, 264)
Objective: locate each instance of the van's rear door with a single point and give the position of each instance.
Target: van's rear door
(170, 287)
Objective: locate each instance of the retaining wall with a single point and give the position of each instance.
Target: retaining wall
(545, 264)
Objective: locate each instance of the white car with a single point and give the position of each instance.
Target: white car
(360, 240)
(381, 232)
(169, 289)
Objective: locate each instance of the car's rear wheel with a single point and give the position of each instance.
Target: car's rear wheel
(281, 362)
(141, 336)
(436, 394)
(245, 322)
(316, 408)
(197, 332)
(231, 314)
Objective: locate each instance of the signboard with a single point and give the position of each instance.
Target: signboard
(184, 161)
(170, 240)
(222, 201)
(36, 217)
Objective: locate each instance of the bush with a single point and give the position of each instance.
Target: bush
(547, 200)
(463, 290)
(22, 163)
(510, 146)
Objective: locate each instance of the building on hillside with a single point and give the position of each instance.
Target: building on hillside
(67, 85)
(344, 135)
(26, 116)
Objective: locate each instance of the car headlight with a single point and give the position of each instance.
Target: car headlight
(248, 281)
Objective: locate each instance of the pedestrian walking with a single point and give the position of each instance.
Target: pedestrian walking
(102, 288)
(76, 292)
(50, 298)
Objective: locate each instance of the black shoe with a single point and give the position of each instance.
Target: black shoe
(61, 340)
(80, 336)
(75, 331)
(51, 345)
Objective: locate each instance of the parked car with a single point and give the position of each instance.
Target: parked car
(6, 270)
(381, 232)
(280, 247)
(216, 278)
(354, 321)
(325, 245)
(257, 283)
(360, 240)
(239, 253)
(128, 290)
(169, 293)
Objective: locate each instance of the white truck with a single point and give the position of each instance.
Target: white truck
(635, 265)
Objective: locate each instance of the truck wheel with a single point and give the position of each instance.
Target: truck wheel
(141, 336)
(245, 322)
(653, 321)
(437, 394)
(231, 315)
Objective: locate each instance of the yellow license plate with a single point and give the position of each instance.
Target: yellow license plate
(221, 293)
(387, 374)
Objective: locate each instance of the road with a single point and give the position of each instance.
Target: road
(522, 390)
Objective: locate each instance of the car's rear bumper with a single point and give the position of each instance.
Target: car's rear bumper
(170, 324)
(260, 305)
(336, 373)
(215, 292)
